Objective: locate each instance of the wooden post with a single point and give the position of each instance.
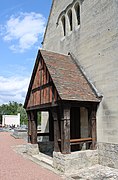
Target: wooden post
(33, 127)
(29, 127)
(65, 131)
(89, 122)
(51, 127)
(56, 130)
(93, 128)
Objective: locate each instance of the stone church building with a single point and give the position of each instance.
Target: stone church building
(75, 80)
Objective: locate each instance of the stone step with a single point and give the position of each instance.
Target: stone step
(44, 158)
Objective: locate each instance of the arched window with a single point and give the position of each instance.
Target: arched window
(64, 25)
(70, 19)
(77, 10)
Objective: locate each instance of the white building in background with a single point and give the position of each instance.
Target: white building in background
(10, 120)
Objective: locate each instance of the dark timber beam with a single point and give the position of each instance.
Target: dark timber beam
(51, 126)
(33, 127)
(65, 130)
(41, 87)
(29, 127)
(93, 127)
(56, 129)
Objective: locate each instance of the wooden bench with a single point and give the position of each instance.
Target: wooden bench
(78, 141)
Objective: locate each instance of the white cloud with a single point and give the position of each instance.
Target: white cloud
(24, 30)
(13, 89)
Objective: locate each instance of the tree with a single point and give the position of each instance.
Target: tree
(23, 115)
(10, 108)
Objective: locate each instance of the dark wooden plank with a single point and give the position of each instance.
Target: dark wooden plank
(43, 107)
(29, 127)
(93, 130)
(48, 88)
(65, 131)
(51, 127)
(42, 87)
(33, 127)
(42, 134)
(56, 129)
(79, 140)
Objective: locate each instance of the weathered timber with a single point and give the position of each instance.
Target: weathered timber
(93, 128)
(48, 90)
(44, 93)
(29, 126)
(33, 127)
(51, 127)
(56, 129)
(65, 130)
(79, 140)
(42, 87)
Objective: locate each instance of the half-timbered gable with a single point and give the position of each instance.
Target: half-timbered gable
(57, 77)
(42, 91)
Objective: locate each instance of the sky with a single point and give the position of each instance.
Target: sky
(22, 26)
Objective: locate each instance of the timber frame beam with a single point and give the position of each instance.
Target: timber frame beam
(32, 127)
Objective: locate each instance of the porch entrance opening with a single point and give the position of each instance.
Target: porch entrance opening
(75, 129)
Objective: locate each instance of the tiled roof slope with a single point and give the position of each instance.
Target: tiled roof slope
(69, 81)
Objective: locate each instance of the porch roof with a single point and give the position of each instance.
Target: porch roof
(70, 83)
(68, 78)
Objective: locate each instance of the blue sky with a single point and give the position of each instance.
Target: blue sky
(22, 25)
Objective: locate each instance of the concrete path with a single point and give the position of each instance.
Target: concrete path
(13, 166)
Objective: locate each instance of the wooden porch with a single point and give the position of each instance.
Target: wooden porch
(67, 98)
(61, 132)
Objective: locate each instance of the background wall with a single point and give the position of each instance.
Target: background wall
(9, 120)
(95, 44)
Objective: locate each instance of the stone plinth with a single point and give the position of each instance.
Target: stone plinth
(32, 149)
(71, 163)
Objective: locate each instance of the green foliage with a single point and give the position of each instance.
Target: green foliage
(13, 108)
(23, 115)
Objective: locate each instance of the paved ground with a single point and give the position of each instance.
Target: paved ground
(13, 166)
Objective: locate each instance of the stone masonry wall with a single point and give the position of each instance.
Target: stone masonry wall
(71, 163)
(95, 44)
(108, 154)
